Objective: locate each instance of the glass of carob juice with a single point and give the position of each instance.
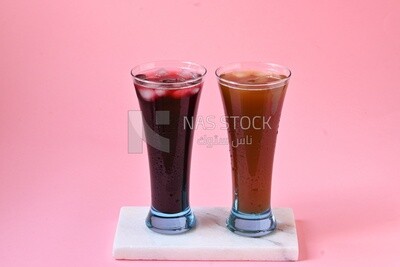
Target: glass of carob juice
(253, 95)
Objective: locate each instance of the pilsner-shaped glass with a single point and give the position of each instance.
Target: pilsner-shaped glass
(168, 94)
(253, 95)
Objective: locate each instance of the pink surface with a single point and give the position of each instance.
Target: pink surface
(65, 90)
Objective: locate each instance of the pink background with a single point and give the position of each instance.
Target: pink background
(65, 90)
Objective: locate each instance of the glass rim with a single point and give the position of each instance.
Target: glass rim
(134, 72)
(218, 73)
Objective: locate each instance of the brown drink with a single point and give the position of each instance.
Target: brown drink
(253, 100)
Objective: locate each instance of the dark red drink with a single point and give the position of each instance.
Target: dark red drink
(166, 98)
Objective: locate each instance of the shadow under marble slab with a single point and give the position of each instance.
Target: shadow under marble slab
(210, 240)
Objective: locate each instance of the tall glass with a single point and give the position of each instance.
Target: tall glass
(253, 95)
(168, 93)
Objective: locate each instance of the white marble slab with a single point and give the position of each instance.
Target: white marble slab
(210, 240)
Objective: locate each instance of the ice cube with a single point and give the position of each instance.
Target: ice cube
(194, 90)
(147, 94)
(160, 92)
(185, 75)
(188, 75)
(267, 78)
(160, 73)
(240, 74)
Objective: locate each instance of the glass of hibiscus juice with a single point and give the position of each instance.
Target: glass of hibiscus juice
(168, 94)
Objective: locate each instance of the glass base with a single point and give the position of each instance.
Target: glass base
(170, 224)
(252, 225)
